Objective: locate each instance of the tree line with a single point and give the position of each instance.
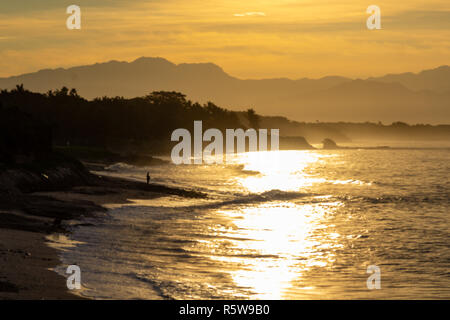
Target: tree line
(142, 121)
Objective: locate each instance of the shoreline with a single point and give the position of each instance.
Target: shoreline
(27, 262)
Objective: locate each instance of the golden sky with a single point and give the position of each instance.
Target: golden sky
(248, 39)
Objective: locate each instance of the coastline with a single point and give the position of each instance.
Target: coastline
(26, 268)
(26, 219)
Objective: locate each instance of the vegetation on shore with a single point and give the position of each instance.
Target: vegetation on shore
(143, 125)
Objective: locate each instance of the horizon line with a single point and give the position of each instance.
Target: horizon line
(212, 63)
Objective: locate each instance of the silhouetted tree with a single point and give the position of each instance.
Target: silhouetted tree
(103, 121)
(253, 118)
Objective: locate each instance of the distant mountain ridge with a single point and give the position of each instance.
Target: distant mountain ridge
(422, 97)
(434, 80)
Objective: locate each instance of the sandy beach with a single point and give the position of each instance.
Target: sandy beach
(25, 268)
(26, 219)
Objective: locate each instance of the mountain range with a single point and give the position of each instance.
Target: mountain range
(422, 97)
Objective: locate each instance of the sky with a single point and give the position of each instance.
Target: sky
(248, 39)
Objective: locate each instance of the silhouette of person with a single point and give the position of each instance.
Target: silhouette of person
(148, 177)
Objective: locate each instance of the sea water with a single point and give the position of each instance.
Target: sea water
(283, 225)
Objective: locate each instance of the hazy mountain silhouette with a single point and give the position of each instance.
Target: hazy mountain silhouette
(437, 80)
(417, 98)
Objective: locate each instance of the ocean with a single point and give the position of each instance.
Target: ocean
(277, 225)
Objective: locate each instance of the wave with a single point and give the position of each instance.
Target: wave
(351, 181)
(268, 196)
(156, 285)
(240, 169)
(413, 199)
(120, 167)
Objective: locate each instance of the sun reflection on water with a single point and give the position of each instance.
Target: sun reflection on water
(282, 241)
(275, 243)
(282, 170)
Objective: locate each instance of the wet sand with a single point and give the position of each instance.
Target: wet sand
(26, 261)
(25, 267)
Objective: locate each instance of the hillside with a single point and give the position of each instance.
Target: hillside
(414, 98)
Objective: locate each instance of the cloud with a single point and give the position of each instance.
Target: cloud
(26, 6)
(269, 38)
(250, 14)
(420, 19)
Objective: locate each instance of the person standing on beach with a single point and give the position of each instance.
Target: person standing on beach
(148, 177)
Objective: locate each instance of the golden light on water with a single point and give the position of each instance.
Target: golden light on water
(278, 241)
(284, 241)
(281, 170)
